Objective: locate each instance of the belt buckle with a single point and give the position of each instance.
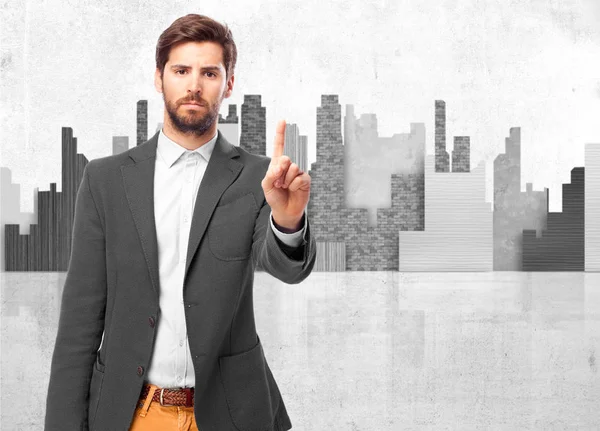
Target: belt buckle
(161, 399)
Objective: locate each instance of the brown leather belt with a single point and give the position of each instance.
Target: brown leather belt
(169, 397)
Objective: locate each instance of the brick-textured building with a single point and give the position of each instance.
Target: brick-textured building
(142, 121)
(461, 154)
(367, 248)
(254, 127)
(442, 159)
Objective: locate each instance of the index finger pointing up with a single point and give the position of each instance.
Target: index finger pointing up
(279, 139)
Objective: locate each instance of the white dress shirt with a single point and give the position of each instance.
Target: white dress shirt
(177, 177)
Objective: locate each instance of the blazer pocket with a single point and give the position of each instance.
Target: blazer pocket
(250, 389)
(95, 389)
(231, 228)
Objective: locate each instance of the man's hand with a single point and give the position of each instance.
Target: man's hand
(286, 187)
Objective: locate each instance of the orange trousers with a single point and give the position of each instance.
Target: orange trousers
(154, 417)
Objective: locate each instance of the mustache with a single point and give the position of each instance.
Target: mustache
(194, 100)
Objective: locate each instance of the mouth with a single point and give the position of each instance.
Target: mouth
(192, 105)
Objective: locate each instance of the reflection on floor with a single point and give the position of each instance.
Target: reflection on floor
(379, 350)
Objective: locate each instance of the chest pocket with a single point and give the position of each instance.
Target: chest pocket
(231, 228)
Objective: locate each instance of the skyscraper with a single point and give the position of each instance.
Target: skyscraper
(142, 121)
(442, 159)
(561, 246)
(592, 207)
(337, 227)
(254, 128)
(461, 155)
(295, 146)
(326, 204)
(514, 210)
(120, 144)
(47, 247)
(10, 195)
(458, 224)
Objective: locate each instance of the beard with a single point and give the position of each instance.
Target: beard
(193, 122)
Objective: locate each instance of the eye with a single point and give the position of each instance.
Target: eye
(179, 70)
(212, 73)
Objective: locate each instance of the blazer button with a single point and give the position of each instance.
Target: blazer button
(151, 321)
(140, 370)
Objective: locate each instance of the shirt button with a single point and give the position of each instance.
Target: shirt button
(178, 378)
(181, 342)
(151, 321)
(140, 370)
(185, 219)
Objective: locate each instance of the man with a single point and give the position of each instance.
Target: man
(156, 327)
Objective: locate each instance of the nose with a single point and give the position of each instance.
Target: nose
(195, 85)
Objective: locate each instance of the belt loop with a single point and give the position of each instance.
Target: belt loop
(148, 400)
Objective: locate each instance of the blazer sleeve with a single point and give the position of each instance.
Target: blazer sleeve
(81, 319)
(288, 264)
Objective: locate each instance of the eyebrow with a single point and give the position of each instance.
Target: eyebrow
(183, 66)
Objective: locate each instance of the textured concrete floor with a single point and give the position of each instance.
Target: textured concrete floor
(379, 350)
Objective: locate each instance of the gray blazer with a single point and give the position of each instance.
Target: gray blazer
(109, 306)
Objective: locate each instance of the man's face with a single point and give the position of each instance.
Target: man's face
(194, 73)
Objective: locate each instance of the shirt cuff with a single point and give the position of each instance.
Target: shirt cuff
(292, 239)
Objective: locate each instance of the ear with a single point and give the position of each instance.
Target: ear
(229, 86)
(157, 81)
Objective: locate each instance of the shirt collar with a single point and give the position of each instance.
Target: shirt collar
(170, 151)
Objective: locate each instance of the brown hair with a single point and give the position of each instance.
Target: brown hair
(196, 28)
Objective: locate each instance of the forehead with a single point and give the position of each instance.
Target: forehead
(196, 53)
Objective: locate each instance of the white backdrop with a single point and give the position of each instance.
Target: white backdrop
(534, 64)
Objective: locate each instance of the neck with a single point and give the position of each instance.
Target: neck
(188, 141)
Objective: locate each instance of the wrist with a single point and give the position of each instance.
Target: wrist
(288, 225)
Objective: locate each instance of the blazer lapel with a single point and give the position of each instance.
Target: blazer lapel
(221, 171)
(138, 180)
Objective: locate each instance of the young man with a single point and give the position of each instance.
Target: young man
(156, 328)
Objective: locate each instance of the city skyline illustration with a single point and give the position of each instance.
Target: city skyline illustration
(377, 203)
